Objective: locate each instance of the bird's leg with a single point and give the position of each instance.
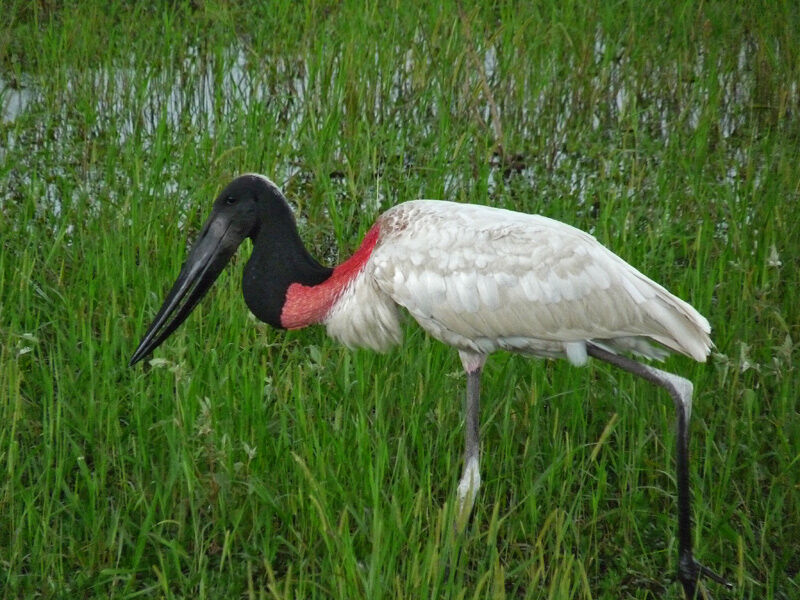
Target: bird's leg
(471, 477)
(680, 389)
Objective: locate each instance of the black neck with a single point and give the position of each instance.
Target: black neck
(279, 259)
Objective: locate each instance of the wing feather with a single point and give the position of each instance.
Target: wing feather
(481, 278)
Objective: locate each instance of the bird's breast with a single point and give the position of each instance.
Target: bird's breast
(307, 304)
(362, 314)
(349, 303)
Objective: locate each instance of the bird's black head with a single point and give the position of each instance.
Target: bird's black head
(238, 212)
(247, 202)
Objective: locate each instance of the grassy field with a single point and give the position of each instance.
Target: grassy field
(245, 462)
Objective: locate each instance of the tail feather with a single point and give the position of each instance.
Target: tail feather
(684, 329)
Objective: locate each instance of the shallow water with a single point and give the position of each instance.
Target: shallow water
(200, 96)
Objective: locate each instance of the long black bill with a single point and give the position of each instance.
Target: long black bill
(218, 241)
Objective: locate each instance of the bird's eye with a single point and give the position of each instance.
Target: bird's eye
(230, 200)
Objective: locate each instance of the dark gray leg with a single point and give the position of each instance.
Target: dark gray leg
(680, 389)
(471, 477)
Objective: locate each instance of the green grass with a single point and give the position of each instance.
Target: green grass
(260, 464)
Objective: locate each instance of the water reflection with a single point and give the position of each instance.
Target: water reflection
(14, 99)
(201, 95)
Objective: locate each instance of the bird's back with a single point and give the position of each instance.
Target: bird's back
(482, 278)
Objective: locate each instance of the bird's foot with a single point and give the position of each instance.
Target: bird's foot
(690, 572)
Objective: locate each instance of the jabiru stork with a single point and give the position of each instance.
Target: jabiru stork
(477, 278)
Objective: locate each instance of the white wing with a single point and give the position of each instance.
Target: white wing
(481, 278)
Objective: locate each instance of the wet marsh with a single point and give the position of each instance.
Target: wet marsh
(246, 462)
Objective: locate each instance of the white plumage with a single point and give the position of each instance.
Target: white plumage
(482, 279)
